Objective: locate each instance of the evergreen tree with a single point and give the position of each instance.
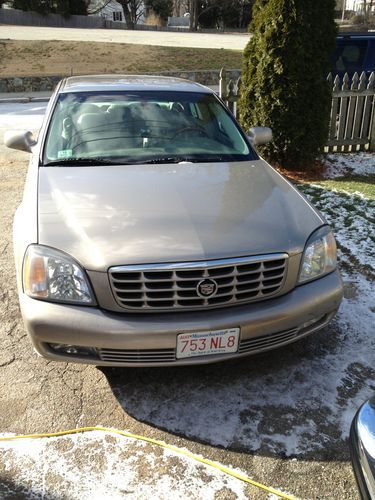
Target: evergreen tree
(224, 13)
(285, 68)
(163, 8)
(64, 7)
(41, 6)
(71, 7)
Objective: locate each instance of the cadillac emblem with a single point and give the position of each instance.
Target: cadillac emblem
(206, 288)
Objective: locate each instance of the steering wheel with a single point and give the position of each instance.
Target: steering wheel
(191, 129)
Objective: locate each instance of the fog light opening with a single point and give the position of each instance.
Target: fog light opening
(74, 350)
(313, 322)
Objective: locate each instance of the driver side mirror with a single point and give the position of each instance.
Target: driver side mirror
(259, 135)
(22, 141)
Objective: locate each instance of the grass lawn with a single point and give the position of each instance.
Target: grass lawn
(364, 185)
(40, 58)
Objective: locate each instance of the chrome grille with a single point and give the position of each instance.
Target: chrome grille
(166, 287)
(268, 341)
(137, 355)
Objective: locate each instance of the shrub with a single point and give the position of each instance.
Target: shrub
(161, 8)
(153, 19)
(284, 79)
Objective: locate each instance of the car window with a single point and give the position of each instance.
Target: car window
(142, 126)
(350, 55)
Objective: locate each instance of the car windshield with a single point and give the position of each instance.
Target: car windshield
(147, 126)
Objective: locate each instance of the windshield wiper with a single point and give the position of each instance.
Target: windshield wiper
(82, 162)
(164, 159)
(181, 159)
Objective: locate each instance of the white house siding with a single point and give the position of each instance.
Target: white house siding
(113, 11)
(358, 5)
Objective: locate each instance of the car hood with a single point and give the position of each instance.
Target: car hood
(117, 215)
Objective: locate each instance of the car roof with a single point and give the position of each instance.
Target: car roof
(356, 35)
(105, 83)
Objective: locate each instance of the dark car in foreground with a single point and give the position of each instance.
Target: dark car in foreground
(151, 232)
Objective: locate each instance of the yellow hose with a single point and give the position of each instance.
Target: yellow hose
(179, 451)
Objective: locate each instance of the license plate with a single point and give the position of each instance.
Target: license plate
(207, 343)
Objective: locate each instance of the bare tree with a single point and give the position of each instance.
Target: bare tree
(133, 9)
(368, 10)
(98, 7)
(180, 7)
(196, 10)
(365, 9)
(194, 14)
(343, 10)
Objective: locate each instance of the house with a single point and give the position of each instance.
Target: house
(358, 6)
(113, 11)
(110, 11)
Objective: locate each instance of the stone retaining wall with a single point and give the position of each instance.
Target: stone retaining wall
(28, 83)
(38, 83)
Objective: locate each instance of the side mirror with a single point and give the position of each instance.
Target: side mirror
(362, 448)
(23, 141)
(259, 135)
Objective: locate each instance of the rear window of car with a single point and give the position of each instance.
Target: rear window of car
(349, 56)
(142, 126)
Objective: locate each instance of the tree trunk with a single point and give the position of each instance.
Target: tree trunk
(370, 6)
(365, 9)
(343, 10)
(193, 15)
(127, 14)
(134, 11)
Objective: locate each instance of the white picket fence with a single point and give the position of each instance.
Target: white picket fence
(352, 119)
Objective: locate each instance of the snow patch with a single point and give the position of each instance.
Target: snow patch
(352, 217)
(96, 465)
(339, 165)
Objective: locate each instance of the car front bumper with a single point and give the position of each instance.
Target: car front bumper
(123, 339)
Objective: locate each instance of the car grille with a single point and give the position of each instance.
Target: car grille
(256, 344)
(137, 355)
(268, 341)
(167, 287)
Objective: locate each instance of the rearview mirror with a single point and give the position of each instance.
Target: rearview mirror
(23, 141)
(259, 135)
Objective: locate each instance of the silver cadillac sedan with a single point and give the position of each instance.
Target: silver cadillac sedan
(151, 233)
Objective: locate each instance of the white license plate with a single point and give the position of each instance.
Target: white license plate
(207, 343)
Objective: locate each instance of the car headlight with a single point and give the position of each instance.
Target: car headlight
(52, 275)
(319, 257)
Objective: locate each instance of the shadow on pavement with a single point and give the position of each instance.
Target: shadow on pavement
(294, 401)
(10, 490)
